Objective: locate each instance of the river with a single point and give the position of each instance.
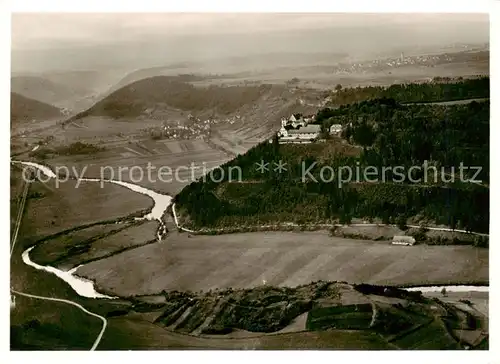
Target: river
(85, 288)
(81, 286)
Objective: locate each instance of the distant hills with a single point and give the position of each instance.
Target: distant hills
(26, 109)
(154, 72)
(73, 90)
(45, 90)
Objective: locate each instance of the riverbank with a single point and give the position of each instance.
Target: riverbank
(430, 235)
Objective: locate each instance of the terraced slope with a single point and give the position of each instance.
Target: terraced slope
(399, 319)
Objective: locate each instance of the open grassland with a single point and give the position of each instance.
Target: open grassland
(17, 186)
(134, 334)
(281, 259)
(43, 325)
(433, 336)
(70, 250)
(53, 248)
(57, 208)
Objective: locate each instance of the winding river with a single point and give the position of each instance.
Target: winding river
(85, 288)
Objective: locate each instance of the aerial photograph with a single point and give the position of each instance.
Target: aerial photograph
(249, 181)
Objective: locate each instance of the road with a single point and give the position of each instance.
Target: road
(19, 216)
(340, 225)
(104, 321)
(13, 243)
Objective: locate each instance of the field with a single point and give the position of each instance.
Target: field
(322, 78)
(282, 259)
(125, 259)
(70, 250)
(128, 157)
(137, 335)
(64, 207)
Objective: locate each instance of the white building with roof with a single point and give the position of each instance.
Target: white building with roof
(304, 134)
(336, 129)
(403, 240)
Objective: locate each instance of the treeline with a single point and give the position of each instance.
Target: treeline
(77, 148)
(417, 92)
(391, 135)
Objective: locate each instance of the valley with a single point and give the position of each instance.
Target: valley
(328, 288)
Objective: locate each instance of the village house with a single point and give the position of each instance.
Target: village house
(335, 129)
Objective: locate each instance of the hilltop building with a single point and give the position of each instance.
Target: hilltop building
(303, 134)
(296, 129)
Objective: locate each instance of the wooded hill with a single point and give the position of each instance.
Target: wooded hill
(435, 91)
(385, 134)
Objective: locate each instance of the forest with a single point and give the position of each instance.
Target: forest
(417, 92)
(388, 133)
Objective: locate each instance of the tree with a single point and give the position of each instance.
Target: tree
(420, 235)
(338, 87)
(401, 222)
(443, 292)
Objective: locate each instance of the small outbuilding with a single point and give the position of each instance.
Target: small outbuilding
(403, 240)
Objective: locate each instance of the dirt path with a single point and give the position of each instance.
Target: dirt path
(19, 215)
(104, 321)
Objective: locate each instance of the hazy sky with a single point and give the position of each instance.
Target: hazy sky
(33, 30)
(188, 36)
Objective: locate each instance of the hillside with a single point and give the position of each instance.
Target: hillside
(319, 315)
(339, 187)
(134, 99)
(26, 109)
(44, 90)
(153, 72)
(382, 317)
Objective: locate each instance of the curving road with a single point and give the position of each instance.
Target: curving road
(104, 321)
(14, 239)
